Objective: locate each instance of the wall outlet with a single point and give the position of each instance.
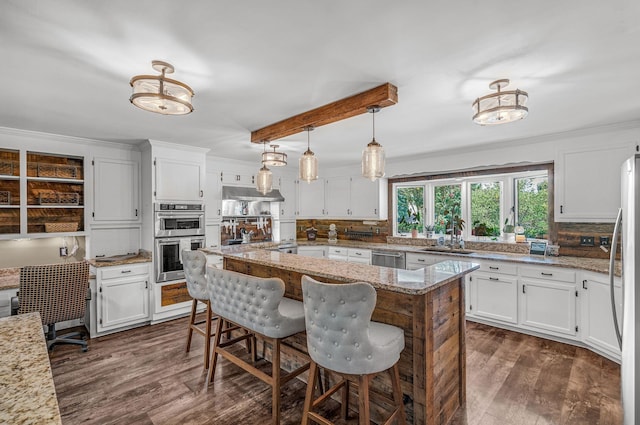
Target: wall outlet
(587, 241)
(63, 251)
(604, 240)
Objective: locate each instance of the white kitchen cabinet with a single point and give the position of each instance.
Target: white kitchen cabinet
(213, 197)
(597, 318)
(5, 301)
(312, 251)
(415, 261)
(116, 194)
(311, 199)
(587, 182)
(212, 235)
(238, 179)
(288, 191)
(549, 305)
(121, 297)
(338, 191)
(368, 199)
(179, 180)
(496, 297)
(337, 253)
(356, 255)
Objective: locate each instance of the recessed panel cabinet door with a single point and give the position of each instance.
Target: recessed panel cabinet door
(179, 180)
(115, 190)
(123, 302)
(311, 199)
(496, 298)
(597, 317)
(549, 306)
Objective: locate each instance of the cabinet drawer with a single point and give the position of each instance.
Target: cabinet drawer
(359, 253)
(334, 250)
(548, 273)
(502, 268)
(123, 271)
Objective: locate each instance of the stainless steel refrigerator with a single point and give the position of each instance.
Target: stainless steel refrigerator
(629, 332)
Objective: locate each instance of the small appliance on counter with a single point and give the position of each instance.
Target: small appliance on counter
(333, 234)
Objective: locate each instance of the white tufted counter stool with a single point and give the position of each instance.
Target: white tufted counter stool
(342, 338)
(195, 266)
(258, 306)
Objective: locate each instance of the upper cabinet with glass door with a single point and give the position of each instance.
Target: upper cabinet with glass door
(55, 193)
(9, 191)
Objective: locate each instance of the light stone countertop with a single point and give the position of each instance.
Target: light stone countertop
(27, 391)
(412, 282)
(142, 257)
(10, 278)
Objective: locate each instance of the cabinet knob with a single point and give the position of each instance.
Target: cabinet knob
(201, 193)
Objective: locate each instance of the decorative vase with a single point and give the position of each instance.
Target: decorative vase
(414, 233)
(509, 237)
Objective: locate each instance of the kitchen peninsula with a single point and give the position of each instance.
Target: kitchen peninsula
(428, 304)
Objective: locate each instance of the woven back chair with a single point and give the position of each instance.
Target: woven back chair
(58, 292)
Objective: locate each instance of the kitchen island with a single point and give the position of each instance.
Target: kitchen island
(428, 304)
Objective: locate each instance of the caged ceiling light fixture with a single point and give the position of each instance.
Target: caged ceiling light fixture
(264, 179)
(373, 155)
(500, 107)
(308, 161)
(156, 93)
(274, 159)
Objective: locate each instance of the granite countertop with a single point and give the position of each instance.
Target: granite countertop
(10, 278)
(28, 392)
(413, 282)
(121, 260)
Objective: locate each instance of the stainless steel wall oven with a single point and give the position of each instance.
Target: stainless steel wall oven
(168, 264)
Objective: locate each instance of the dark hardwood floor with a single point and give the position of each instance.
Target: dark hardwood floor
(143, 376)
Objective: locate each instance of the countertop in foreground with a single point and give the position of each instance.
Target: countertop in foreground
(28, 395)
(412, 282)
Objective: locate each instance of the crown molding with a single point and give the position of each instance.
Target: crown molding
(66, 139)
(169, 145)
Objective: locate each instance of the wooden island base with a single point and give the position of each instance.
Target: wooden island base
(432, 365)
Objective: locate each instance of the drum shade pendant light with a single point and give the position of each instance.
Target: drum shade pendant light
(373, 156)
(274, 159)
(156, 93)
(500, 107)
(308, 161)
(264, 180)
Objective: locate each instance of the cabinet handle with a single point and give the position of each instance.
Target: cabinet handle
(421, 260)
(375, 211)
(146, 284)
(219, 211)
(493, 278)
(494, 268)
(125, 271)
(136, 212)
(584, 284)
(282, 213)
(323, 211)
(358, 253)
(561, 209)
(201, 193)
(523, 290)
(546, 274)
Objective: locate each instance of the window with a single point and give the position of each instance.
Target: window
(532, 208)
(485, 208)
(409, 209)
(479, 204)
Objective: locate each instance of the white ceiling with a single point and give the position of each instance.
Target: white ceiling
(66, 67)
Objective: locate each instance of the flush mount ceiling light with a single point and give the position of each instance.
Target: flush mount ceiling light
(308, 161)
(500, 107)
(274, 159)
(264, 180)
(156, 93)
(373, 155)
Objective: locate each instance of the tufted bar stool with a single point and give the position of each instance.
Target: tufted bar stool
(195, 266)
(342, 338)
(258, 306)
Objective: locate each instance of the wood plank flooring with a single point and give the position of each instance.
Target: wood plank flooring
(143, 376)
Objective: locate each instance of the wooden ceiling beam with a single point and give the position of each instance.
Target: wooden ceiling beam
(383, 96)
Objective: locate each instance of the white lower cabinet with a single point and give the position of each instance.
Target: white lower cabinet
(212, 235)
(415, 261)
(335, 253)
(549, 306)
(597, 317)
(119, 298)
(312, 251)
(496, 297)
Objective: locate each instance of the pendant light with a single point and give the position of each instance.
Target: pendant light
(156, 93)
(275, 159)
(501, 107)
(264, 180)
(308, 161)
(373, 155)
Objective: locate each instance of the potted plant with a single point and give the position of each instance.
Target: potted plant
(411, 221)
(429, 230)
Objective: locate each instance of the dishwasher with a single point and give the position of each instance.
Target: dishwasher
(392, 259)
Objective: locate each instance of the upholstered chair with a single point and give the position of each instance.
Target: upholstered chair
(195, 266)
(342, 338)
(258, 306)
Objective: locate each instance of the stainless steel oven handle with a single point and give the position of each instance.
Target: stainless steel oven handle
(195, 214)
(385, 254)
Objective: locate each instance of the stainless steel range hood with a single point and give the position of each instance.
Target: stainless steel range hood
(236, 193)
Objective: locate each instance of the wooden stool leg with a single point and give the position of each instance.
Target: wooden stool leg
(207, 338)
(214, 355)
(275, 376)
(363, 400)
(344, 409)
(308, 398)
(397, 393)
(192, 320)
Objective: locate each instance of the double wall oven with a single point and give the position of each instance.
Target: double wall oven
(177, 227)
